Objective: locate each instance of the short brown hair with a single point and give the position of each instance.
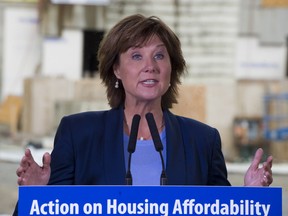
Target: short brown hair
(132, 31)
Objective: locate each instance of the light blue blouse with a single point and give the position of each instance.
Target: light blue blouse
(146, 166)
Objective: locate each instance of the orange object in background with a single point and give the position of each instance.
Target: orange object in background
(274, 3)
(10, 112)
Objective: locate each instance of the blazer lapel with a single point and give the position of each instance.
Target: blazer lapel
(114, 161)
(176, 166)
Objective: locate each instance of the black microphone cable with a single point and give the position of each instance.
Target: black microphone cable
(157, 143)
(132, 146)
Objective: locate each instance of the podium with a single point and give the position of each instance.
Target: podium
(149, 200)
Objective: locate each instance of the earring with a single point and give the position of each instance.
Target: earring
(116, 84)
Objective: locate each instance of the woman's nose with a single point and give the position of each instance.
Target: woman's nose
(150, 65)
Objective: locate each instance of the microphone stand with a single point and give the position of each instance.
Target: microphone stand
(158, 145)
(132, 146)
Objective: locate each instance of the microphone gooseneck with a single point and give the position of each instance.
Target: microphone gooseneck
(157, 143)
(132, 146)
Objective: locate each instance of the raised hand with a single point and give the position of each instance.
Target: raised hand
(259, 176)
(30, 173)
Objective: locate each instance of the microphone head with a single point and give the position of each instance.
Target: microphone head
(133, 133)
(154, 131)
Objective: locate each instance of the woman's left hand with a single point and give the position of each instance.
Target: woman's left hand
(259, 176)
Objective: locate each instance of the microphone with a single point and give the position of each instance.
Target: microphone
(157, 143)
(132, 146)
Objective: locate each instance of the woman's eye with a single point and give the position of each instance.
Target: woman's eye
(136, 56)
(159, 56)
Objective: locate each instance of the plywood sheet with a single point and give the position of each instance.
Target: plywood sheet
(191, 102)
(274, 3)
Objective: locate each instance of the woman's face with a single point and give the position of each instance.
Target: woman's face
(145, 71)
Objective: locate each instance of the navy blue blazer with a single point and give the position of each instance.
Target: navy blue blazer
(88, 150)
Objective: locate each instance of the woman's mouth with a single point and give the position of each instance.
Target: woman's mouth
(149, 82)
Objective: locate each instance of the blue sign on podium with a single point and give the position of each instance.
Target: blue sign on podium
(149, 200)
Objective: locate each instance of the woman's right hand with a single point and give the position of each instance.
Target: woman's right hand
(30, 173)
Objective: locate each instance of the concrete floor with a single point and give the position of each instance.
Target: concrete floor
(8, 187)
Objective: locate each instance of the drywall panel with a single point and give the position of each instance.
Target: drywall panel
(21, 48)
(255, 61)
(62, 56)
